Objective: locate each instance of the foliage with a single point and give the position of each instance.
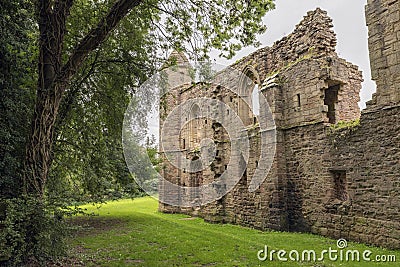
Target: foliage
(202, 25)
(142, 161)
(151, 238)
(340, 125)
(30, 233)
(17, 81)
(28, 229)
(152, 152)
(87, 148)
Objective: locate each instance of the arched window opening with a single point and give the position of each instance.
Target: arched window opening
(193, 132)
(255, 100)
(248, 101)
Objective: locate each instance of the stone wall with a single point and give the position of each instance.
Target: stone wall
(344, 183)
(369, 154)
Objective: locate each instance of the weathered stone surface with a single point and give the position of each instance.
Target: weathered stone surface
(342, 183)
(383, 20)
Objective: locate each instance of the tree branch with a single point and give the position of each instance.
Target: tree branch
(70, 97)
(96, 36)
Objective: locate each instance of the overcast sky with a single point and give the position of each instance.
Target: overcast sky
(349, 25)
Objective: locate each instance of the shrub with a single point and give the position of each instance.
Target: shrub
(30, 232)
(345, 124)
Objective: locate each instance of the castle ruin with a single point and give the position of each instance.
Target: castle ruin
(335, 170)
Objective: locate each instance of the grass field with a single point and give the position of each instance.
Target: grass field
(134, 233)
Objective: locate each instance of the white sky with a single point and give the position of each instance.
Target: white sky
(349, 25)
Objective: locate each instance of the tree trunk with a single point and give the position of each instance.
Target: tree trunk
(39, 149)
(38, 153)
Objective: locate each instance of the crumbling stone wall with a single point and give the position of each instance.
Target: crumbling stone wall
(304, 127)
(342, 183)
(383, 20)
(369, 154)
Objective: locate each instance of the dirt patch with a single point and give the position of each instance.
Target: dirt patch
(86, 226)
(72, 262)
(90, 225)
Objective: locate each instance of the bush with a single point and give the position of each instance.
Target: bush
(30, 233)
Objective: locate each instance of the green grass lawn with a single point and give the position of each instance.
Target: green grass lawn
(134, 233)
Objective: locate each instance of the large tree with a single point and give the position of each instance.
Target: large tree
(54, 79)
(200, 25)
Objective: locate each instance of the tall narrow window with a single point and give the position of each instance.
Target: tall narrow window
(331, 98)
(183, 143)
(194, 115)
(245, 95)
(243, 180)
(255, 100)
(339, 184)
(298, 100)
(242, 170)
(196, 178)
